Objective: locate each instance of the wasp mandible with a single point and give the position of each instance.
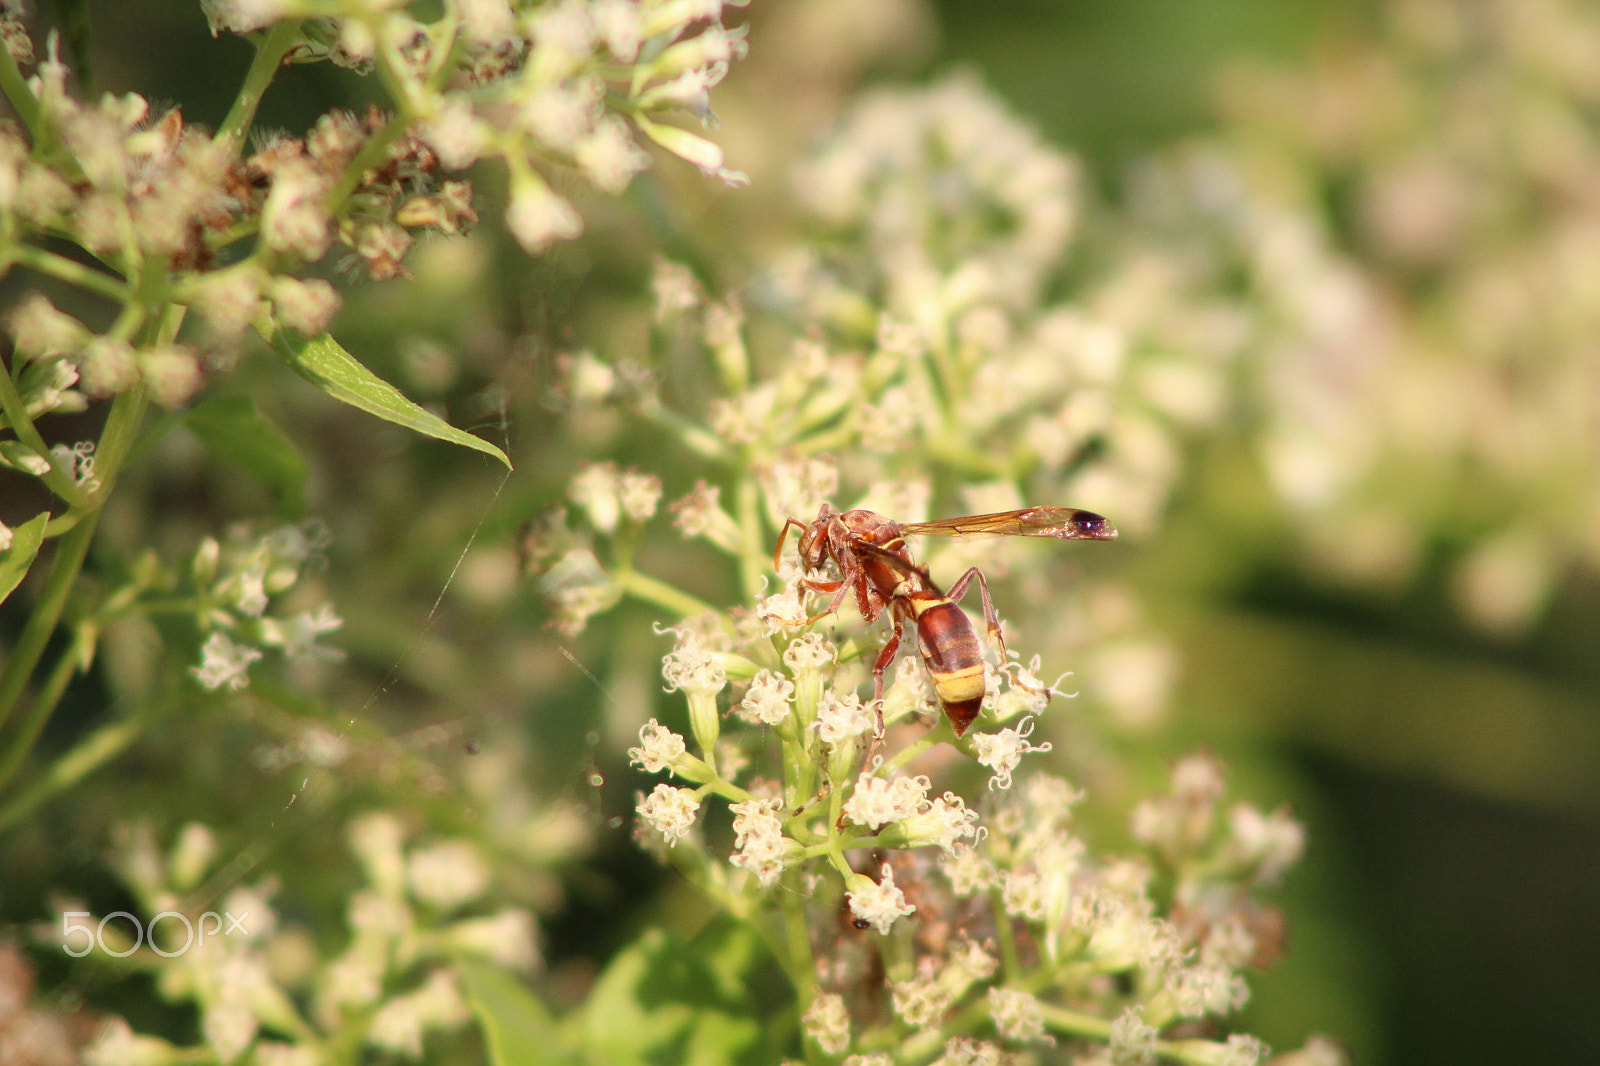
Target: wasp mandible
(876, 567)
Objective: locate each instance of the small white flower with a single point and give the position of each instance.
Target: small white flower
(298, 636)
(376, 839)
(968, 871)
(172, 374)
(674, 288)
(1002, 751)
(691, 668)
(1016, 1015)
(608, 155)
(1242, 1049)
(293, 219)
(1133, 1040)
(1228, 943)
(222, 662)
(758, 838)
(250, 591)
(55, 392)
(447, 874)
(108, 366)
(878, 903)
(486, 22)
(670, 811)
(767, 699)
(782, 610)
(972, 961)
(1198, 780)
(809, 653)
(354, 980)
(506, 938)
(828, 1023)
(396, 1028)
(228, 1027)
(921, 1001)
(538, 217)
(639, 494)
(1270, 842)
(659, 747)
(877, 801)
(965, 1051)
(1023, 894)
(242, 16)
(841, 719)
(40, 329)
(597, 489)
(946, 822)
(192, 853)
(1201, 990)
(798, 486)
(748, 417)
(307, 305)
(700, 514)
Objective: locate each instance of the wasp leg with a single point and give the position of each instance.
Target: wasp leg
(991, 617)
(885, 657)
(840, 590)
(783, 535)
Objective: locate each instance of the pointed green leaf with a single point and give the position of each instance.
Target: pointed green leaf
(323, 362)
(658, 1002)
(233, 430)
(16, 560)
(517, 1029)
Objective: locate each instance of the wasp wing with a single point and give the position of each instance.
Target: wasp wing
(1065, 523)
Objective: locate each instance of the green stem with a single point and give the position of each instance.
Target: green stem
(371, 154)
(1006, 936)
(269, 57)
(18, 94)
(752, 561)
(660, 593)
(798, 960)
(100, 748)
(70, 553)
(72, 272)
(115, 440)
(702, 442)
(44, 703)
(915, 748)
(1075, 1022)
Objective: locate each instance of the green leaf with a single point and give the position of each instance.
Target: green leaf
(233, 430)
(516, 1027)
(324, 363)
(16, 560)
(658, 1003)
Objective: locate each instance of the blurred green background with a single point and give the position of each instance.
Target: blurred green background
(1448, 910)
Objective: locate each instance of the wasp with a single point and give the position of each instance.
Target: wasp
(876, 567)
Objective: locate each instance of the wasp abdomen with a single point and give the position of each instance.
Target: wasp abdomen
(953, 656)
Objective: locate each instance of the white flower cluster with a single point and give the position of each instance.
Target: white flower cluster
(234, 586)
(1425, 376)
(398, 971)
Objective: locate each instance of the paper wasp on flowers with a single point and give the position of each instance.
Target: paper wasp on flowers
(876, 567)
